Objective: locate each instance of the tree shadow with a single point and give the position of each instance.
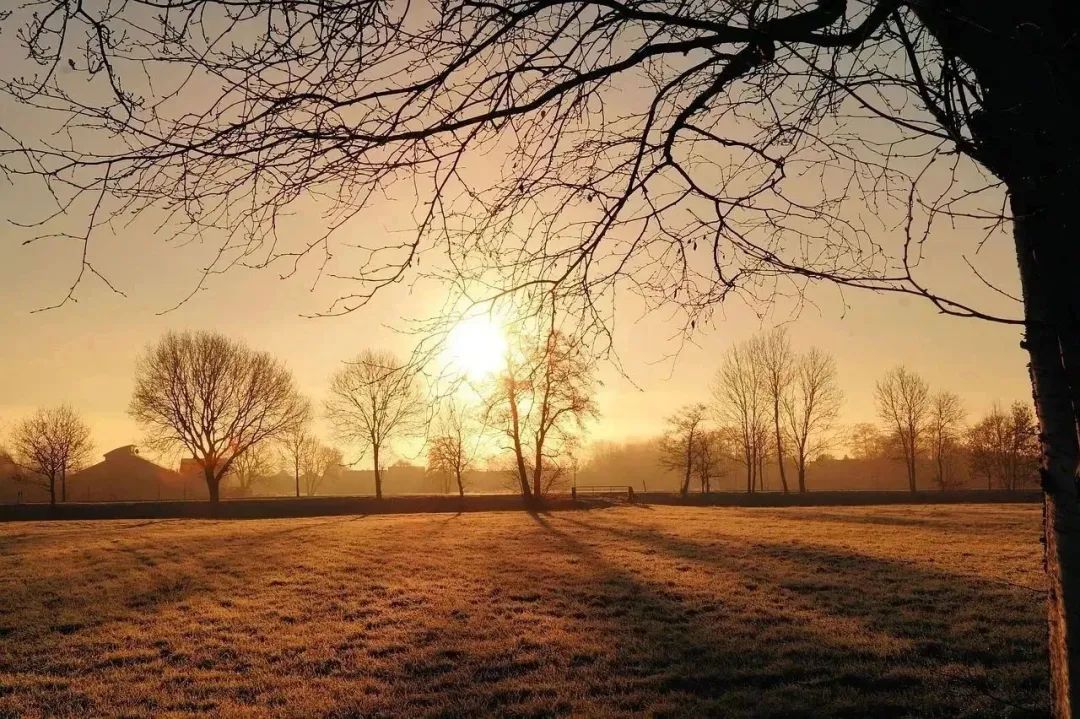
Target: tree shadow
(800, 600)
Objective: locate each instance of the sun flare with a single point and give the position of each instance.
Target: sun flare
(477, 347)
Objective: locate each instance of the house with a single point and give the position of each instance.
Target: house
(126, 475)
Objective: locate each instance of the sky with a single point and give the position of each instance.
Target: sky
(84, 352)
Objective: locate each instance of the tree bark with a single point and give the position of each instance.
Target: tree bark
(1048, 318)
(63, 484)
(213, 486)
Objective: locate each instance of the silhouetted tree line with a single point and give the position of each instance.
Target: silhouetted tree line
(237, 413)
(774, 405)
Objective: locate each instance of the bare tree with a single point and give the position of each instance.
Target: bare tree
(944, 429)
(677, 447)
(709, 454)
(893, 98)
(298, 444)
(903, 400)
(866, 441)
(1004, 447)
(453, 451)
(321, 463)
(252, 466)
(742, 403)
(50, 444)
(776, 370)
(214, 398)
(811, 408)
(374, 400)
(545, 393)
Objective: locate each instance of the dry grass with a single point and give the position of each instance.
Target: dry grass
(929, 611)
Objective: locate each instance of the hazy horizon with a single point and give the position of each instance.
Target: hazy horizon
(93, 344)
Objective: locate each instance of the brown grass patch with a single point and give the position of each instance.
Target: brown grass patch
(668, 611)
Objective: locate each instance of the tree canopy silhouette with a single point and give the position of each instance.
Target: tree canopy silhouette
(214, 398)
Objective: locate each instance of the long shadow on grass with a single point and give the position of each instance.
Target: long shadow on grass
(985, 637)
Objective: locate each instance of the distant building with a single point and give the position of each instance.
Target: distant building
(125, 475)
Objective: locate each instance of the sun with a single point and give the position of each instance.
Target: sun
(477, 347)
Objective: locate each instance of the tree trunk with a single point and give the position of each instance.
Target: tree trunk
(52, 490)
(802, 475)
(378, 473)
(460, 484)
(779, 445)
(910, 451)
(63, 484)
(213, 486)
(1048, 318)
(296, 473)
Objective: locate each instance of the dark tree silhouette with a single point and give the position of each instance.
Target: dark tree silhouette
(764, 127)
(453, 451)
(904, 404)
(677, 446)
(545, 392)
(811, 407)
(214, 398)
(298, 445)
(1004, 447)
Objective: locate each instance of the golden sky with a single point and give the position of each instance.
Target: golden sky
(84, 352)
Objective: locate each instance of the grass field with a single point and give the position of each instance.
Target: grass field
(664, 611)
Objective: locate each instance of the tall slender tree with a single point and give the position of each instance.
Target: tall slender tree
(903, 400)
(811, 408)
(740, 401)
(772, 351)
(944, 429)
(298, 445)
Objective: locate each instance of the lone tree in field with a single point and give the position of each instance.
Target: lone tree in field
(50, 444)
(944, 430)
(811, 407)
(903, 402)
(374, 400)
(544, 394)
(214, 398)
(677, 446)
(703, 149)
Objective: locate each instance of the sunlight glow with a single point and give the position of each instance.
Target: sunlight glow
(477, 347)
